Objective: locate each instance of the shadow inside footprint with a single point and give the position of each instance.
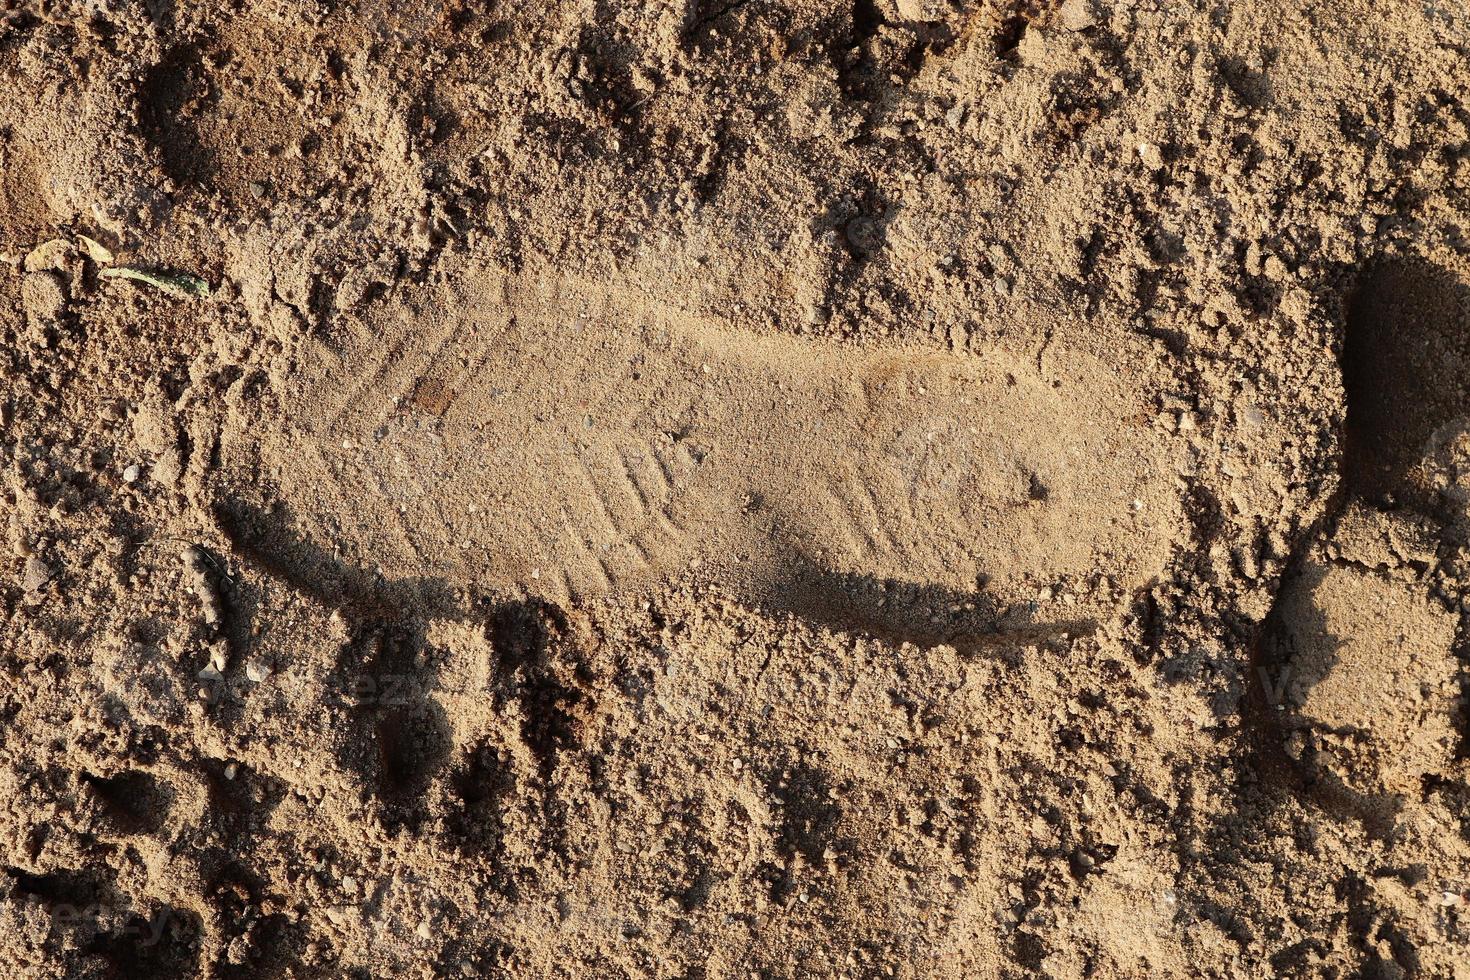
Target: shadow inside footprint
(1403, 368)
(903, 612)
(132, 802)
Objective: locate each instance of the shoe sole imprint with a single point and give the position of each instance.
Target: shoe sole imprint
(579, 440)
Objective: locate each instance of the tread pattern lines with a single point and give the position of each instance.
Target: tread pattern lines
(572, 440)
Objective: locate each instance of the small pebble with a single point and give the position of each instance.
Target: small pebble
(1077, 15)
(231, 770)
(198, 577)
(256, 671)
(37, 573)
(131, 474)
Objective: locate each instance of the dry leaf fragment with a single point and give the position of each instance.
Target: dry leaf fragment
(173, 283)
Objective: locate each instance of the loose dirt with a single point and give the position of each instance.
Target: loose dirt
(894, 488)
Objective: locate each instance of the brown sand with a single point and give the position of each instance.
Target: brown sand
(880, 488)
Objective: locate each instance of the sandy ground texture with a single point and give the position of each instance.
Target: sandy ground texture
(757, 489)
